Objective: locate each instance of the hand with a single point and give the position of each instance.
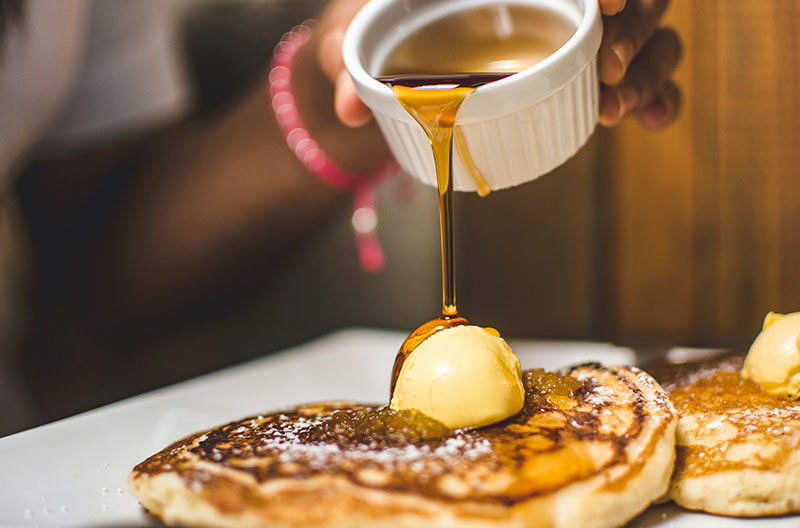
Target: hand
(327, 98)
(636, 59)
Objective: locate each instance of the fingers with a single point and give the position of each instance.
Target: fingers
(662, 109)
(646, 78)
(349, 108)
(625, 34)
(615, 104)
(611, 7)
(654, 64)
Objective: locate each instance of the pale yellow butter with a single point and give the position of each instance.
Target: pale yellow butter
(465, 376)
(774, 357)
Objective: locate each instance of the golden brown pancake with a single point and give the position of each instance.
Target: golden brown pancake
(738, 447)
(592, 447)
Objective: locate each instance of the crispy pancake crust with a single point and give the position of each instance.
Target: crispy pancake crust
(738, 447)
(594, 456)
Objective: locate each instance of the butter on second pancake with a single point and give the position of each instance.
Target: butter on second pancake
(738, 446)
(774, 358)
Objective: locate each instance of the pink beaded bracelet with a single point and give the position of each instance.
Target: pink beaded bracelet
(308, 151)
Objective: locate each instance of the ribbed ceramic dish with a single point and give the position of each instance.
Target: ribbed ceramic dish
(516, 129)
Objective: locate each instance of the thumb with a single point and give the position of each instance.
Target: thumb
(350, 110)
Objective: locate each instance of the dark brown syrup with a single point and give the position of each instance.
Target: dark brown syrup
(431, 72)
(433, 101)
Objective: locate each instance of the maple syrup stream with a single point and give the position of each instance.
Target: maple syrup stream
(433, 101)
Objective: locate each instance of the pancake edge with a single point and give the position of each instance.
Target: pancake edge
(595, 502)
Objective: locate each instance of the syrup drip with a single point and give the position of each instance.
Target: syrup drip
(432, 71)
(433, 101)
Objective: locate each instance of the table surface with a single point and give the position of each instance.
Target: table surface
(73, 472)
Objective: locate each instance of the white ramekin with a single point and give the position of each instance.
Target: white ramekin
(517, 128)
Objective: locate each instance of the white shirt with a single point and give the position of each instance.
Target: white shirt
(79, 73)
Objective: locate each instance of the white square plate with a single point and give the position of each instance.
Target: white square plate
(73, 472)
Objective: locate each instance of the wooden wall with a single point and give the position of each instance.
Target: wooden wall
(685, 236)
(704, 218)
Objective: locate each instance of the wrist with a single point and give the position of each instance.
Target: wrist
(357, 150)
(300, 110)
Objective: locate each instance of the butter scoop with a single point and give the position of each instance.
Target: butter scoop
(465, 376)
(774, 357)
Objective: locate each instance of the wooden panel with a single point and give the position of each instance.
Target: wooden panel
(704, 216)
(526, 256)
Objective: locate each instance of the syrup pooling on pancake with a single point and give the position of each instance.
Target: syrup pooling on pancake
(735, 423)
(571, 427)
(382, 427)
(738, 446)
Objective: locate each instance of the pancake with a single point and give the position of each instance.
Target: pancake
(738, 447)
(592, 447)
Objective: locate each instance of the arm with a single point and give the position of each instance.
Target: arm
(214, 205)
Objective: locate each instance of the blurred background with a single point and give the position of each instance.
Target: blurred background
(682, 237)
